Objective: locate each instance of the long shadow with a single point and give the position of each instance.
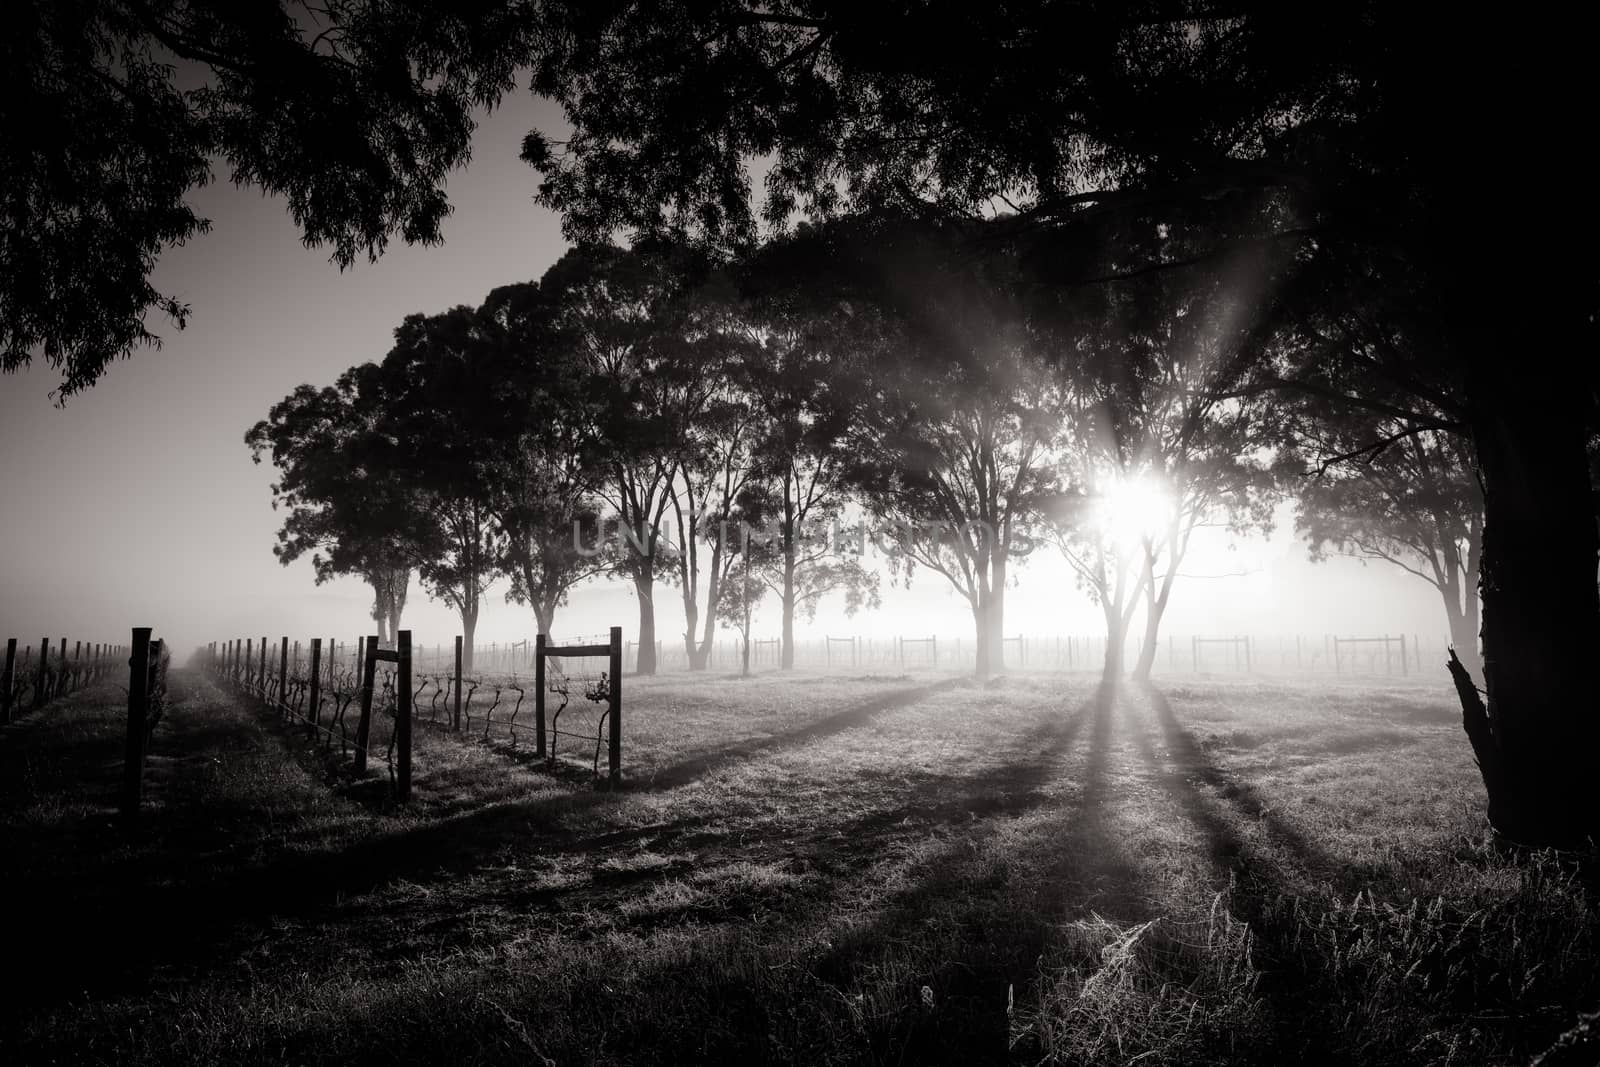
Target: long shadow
(190, 920)
(1001, 919)
(1191, 764)
(699, 763)
(1254, 875)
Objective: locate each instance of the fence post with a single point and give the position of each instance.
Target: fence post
(538, 696)
(369, 672)
(1404, 663)
(1335, 655)
(402, 717)
(138, 712)
(283, 677)
(261, 673)
(314, 698)
(1247, 667)
(455, 721)
(9, 681)
(44, 667)
(614, 690)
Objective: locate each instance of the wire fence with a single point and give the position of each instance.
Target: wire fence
(1354, 654)
(28, 681)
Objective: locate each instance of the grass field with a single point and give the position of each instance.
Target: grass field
(810, 869)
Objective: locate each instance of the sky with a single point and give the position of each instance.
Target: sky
(137, 504)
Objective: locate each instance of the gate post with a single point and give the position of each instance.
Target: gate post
(614, 690)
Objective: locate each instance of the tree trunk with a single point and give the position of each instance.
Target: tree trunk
(788, 633)
(644, 586)
(1111, 669)
(544, 618)
(996, 614)
(1524, 341)
(469, 625)
(983, 634)
(692, 650)
(1146, 662)
(788, 600)
(1464, 633)
(1541, 612)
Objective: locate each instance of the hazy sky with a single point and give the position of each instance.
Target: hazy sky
(137, 503)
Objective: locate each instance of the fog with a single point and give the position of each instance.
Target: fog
(137, 503)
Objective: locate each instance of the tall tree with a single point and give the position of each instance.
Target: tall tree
(443, 385)
(953, 455)
(1347, 140)
(1154, 438)
(355, 112)
(543, 488)
(345, 506)
(797, 499)
(1413, 504)
(718, 431)
(619, 313)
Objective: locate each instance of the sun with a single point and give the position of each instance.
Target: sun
(1133, 509)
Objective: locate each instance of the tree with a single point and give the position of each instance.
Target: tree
(1413, 504)
(345, 507)
(543, 491)
(355, 112)
(1346, 141)
(804, 390)
(952, 454)
(618, 314)
(444, 387)
(1154, 441)
(717, 431)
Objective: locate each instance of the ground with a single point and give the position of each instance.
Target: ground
(884, 868)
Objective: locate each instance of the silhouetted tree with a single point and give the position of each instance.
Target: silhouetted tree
(1412, 503)
(804, 388)
(1152, 434)
(543, 489)
(619, 313)
(354, 112)
(952, 450)
(718, 431)
(345, 504)
(444, 391)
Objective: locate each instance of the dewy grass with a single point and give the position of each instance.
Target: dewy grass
(809, 869)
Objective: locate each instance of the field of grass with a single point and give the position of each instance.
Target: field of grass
(884, 868)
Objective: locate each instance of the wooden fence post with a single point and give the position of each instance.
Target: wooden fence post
(538, 694)
(8, 681)
(369, 672)
(402, 719)
(138, 712)
(314, 699)
(44, 667)
(455, 720)
(283, 676)
(615, 692)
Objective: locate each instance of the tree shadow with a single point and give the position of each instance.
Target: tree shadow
(1190, 764)
(979, 920)
(162, 918)
(698, 764)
